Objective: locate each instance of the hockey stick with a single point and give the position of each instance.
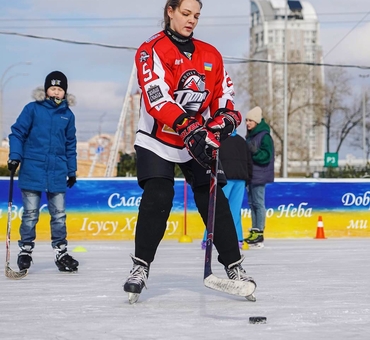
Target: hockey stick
(9, 272)
(234, 287)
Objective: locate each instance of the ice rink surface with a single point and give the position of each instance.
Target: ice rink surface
(308, 290)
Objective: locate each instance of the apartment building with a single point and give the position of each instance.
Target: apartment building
(272, 23)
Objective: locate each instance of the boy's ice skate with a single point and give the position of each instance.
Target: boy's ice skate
(25, 257)
(236, 272)
(64, 261)
(136, 281)
(255, 238)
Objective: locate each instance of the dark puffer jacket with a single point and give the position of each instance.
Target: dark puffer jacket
(236, 158)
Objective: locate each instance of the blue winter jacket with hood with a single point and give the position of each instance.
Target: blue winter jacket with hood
(43, 139)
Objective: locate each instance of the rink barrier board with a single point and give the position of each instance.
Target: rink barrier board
(106, 209)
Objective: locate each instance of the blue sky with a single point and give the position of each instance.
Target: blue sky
(99, 76)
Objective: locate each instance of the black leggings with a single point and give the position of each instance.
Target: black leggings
(155, 208)
(156, 177)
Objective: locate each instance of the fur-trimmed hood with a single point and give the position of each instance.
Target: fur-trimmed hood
(39, 95)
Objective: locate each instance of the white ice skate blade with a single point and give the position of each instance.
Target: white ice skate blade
(233, 287)
(68, 272)
(133, 297)
(256, 246)
(251, 298)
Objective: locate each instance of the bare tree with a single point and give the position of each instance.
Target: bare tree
(263, 86)
(357, 137)
(341, 112)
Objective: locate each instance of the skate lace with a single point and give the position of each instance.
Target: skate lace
(238, 273)
(26, 250)
(253, 235)
(138, 275)
(65, 258)
(25, 253)
(249, 237)
(256, 237)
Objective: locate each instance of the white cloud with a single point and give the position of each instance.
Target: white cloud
(352, 50)
(98, 96)
(98, 107)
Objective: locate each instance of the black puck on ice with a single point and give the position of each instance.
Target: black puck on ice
(257, 319)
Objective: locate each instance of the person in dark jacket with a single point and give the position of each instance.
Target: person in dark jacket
(43, 142)
(237, 164)
(261, 145)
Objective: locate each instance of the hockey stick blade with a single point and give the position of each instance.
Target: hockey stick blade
(9, 272)
(233, 287)
(14, 275)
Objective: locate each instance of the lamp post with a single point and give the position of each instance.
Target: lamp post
(285, 121)
(3, 82)
(364, 153)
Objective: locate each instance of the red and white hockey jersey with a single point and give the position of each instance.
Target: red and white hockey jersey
(173, 84)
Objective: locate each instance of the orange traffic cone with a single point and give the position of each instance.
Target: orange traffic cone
(320, 229)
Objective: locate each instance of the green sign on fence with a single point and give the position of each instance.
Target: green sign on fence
(331, 160)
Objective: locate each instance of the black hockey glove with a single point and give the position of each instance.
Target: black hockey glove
(224, 121)
(200, 142)
(71, 181)
(13, 165)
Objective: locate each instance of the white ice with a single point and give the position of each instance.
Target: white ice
(307, 289)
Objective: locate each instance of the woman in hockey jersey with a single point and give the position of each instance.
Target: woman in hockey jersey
(187, 98)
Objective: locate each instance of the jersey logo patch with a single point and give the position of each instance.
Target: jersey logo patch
(144, 56)
(191, 92)
(208, 66)
(154, 93)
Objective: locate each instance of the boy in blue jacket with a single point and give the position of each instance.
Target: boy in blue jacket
(43, 142)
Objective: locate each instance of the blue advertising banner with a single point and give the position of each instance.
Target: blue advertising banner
(106, 209)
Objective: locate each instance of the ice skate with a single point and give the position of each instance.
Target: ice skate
(25, 257)
(255, 238)
(236, 272)
(64, 261)
(136, 281)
